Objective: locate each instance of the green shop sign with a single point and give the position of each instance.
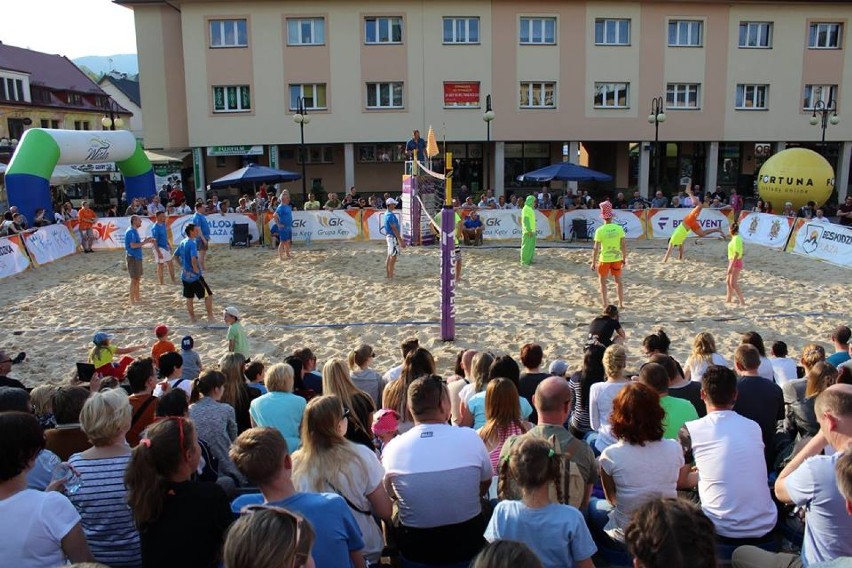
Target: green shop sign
(235, 150)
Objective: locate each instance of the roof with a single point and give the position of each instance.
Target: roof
(47, 70)
(129, 87)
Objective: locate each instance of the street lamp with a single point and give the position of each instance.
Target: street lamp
(113, 121)
(488, 117)
(301, 118)
(658, 115)
(824, 110)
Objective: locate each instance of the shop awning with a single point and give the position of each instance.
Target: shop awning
(164, 156)
(66, 174)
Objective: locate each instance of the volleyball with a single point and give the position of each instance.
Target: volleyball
(797, 175)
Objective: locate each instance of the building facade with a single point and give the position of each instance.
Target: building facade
(740, 80)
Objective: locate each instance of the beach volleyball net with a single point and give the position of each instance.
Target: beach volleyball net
(422, 200)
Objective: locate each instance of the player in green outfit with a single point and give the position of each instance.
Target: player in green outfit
(237, 337)
(610, 242)
(528, 236)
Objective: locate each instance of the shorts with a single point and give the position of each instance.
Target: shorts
(691, 220)
(198, 289)
(134, 267)
(607, 268)
(738, 263)
(202, 245)
(165, 258)
(393, 247)
(285, 234)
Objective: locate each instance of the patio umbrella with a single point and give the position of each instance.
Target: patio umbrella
(564, 171)
(253, 174)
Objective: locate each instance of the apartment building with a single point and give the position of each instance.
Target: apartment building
(571, 79)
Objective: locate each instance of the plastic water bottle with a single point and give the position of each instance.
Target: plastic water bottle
(307, 238)
(73, 482)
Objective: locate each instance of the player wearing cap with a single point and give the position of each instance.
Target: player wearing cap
(237, 337)
(392, 235)
(611, 244)
(690, 223)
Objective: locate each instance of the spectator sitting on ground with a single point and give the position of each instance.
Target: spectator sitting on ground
(261, 454)
(237, 392)
(794, 390)
(279, 408)
(601, 396)
(68, 437)
(162, 345)
(310, 377)
(13, 399)
(757, 399)
(532, 356)
(840, 338)
(677, 411)
(329, 462)
(102, 354)
(506, 554)
(765, 370)
(503, 418)
(191, 366)
(269, 537)
(41, 398)
(102, 498)
(664, 533)
(727, 450)
(455, 387)
(407, 346)
(473, 411)
(801, 420)
(418, 363)
(142, 379)
(809, 481)
(171, 373)
(606, 329)
(336, 381)
(479, 367)
(255, 376)
(679, 386)
(581, 383)
(363, 377)
(435, 533)
(702, 356)
(783, 367)
(215, 421)
(5, 369)
(472, 229)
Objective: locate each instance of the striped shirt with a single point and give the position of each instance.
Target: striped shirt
(105, 515)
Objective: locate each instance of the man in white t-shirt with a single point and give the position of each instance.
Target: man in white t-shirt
(437, 474)
(407, 346)
(728, 452)
(809, 481)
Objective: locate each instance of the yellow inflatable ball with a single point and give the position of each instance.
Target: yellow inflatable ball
(797, 175)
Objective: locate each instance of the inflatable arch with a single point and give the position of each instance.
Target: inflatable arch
(41, 149)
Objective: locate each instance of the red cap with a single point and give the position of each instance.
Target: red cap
(606, 210)
(161, 329)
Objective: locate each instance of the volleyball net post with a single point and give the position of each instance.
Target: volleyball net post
(448, 267)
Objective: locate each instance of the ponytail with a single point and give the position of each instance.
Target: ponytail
(554, 468)
(206, 383)
(195, 396)
(503, 485)
(351, 360)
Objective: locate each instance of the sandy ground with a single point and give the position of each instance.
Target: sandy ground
(332, 297)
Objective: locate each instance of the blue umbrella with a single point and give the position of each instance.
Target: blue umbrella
(564, 171)
(254, 174)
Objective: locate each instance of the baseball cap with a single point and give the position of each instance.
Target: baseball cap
(100, 337)
(558, 367)
(391, 201)
(606, 210)
(232, 311)
(161, 329)
(385, 421)
(187, 343)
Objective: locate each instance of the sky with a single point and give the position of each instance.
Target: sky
(73, 28)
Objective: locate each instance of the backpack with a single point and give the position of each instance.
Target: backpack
(573, 484)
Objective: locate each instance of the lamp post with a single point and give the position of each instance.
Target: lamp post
(301, 118)
(658, 115)
(488, 116)
(824, 110)
(112, 121)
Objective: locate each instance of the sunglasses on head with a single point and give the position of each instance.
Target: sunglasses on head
(303, 551)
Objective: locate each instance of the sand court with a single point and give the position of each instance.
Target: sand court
(332, 297)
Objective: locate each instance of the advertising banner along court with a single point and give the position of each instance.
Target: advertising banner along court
(50, 243)
(633, 222)
(13, 259)
(221, 227)
(824, 241)
(503, 224)
(662, 222)
(109, 231)
(765, 229)
(323, 225)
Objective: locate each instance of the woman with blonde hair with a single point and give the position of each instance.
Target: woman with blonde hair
(336, 381)
(328, 462)
(602, 395)
(237, 393)
(801, 420)
(702, 356)
(269, 537)
(41, 399)
(101, 500)
(418, 363)
(367, 379)
(503, 418)
(479, 373)
(279, 408)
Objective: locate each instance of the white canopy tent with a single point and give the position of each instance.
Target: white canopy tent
(66, 174)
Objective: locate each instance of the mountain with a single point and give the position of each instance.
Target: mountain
(101, 64)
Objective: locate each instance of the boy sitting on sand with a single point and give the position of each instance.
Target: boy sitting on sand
(162, 345)
(237, 337)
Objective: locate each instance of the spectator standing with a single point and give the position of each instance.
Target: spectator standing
(86, 218)
(844, 212)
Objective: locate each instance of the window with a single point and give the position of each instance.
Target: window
(612, 95)
(45, 123)
(752, 97)
(523, 157)
(54, 124)
(313, 96)
(538, 31)
(683, 96)
(461, 30)
(228, 33)
(75, 99)
(383, 30)
(306, 31)
(686, 33)
(384, 95)
(317, 155)
(825, 35)
(381, 152)
(81, 125)
(538, 95)
(612, 32)
(231, 99)
(814, 93)
(756, 35)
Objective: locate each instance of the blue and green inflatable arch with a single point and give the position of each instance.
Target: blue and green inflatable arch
(40, 150)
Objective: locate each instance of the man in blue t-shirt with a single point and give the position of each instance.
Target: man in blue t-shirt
(192, 276)
(472, 230)
(284, 222)
(416, 143)
(162, 248)
(203, 240)
(339, 543)
(133, 247)
(392, 235)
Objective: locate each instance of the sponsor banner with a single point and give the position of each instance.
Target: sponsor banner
(764, 229)
(235, 151)
(13, 259)
(373, 223)
(461, 93)
(221, 227)
(109, 231)
(502, 224)
(661, 223)
(336, 225)
(49, 243)
(633, 222)
(824, 241)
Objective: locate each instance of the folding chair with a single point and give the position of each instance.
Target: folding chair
(241, 236)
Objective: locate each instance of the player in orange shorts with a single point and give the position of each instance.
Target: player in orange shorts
(690, 224)
(610, 242)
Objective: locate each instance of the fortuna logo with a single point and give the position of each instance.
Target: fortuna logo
(814, 233)
(662, 222)
(98, 149)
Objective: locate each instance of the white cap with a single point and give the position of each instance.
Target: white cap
(233, 312)
(391, 201)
